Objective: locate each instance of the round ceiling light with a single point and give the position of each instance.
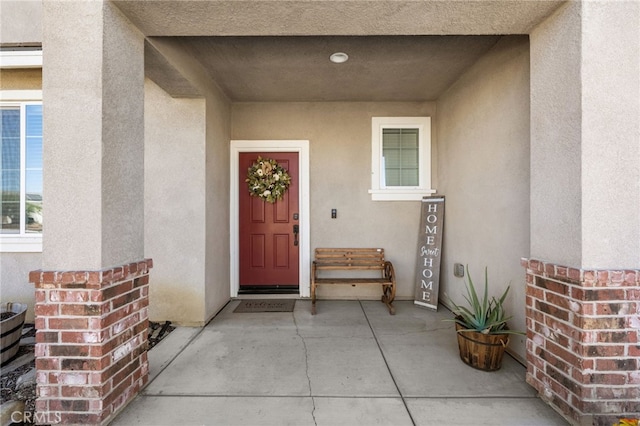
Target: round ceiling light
(339, 57)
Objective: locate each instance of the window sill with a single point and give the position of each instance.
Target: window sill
(400, 194)
(21, 244)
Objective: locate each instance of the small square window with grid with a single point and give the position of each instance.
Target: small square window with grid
(400, 158)
(400, 152)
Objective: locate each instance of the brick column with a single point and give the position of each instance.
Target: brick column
(91, 341)
(583, 355)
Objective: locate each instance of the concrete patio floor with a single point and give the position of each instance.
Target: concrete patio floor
(352, 364)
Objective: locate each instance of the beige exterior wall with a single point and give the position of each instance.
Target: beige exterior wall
(93, 100)
(483, 146)
(174, 204)
(217, 202)
(20, 22)
(340, 177)
(556, 116)
(204, 169)
(585, 131)
(21, 79)
(611, 135)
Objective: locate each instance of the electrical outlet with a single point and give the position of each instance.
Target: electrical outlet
(458, 270)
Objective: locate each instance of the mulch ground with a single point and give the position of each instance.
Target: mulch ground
(18, 384)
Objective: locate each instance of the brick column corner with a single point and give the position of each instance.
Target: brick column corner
(91, 342)
(583, 329)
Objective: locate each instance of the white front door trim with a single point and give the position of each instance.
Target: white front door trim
(302, 148)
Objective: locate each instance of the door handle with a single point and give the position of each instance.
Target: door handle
(296, 231)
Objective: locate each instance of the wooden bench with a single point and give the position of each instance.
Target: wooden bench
(354, 259)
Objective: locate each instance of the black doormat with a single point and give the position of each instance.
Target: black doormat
(265, 305)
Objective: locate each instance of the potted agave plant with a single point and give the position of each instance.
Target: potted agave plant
(481, 327)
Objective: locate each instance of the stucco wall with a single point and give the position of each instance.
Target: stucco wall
(585, 132)
(611, 135)
(209, 194)
(483, 146)
(217, 202)
(556, 116)
(174, 204)
(122, 139)
(93, 90)
(340, 176)
(20, 22)
(14, 276)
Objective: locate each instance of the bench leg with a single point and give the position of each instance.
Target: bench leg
(389, 290)
(387, 297)
(313, 298)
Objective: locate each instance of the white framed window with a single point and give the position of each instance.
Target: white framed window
(20, 173)
(400, 158)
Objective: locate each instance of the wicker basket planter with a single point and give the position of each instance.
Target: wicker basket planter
(11, 329)
(481, 351)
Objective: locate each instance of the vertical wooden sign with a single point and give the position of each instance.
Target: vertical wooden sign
(429, 252)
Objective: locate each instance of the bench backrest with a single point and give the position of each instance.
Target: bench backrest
(349, 258)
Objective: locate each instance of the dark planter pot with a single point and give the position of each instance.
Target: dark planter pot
(481, 351)
(11, 329)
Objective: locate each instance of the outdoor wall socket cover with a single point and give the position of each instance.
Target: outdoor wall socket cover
(458, 270)
(334, 213)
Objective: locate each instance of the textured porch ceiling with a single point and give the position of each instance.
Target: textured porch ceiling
(279, 50)
(396, 68)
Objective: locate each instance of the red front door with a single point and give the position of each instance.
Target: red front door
(269, 244)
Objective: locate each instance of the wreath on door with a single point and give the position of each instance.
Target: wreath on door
(267, 179)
